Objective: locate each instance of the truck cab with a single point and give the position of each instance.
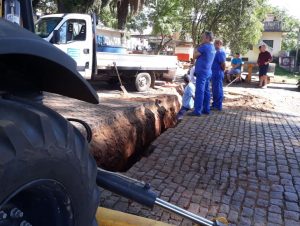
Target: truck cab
(73, 34)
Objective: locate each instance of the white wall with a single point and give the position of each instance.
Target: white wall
(277, 40)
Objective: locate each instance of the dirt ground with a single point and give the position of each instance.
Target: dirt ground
(124, 126)
(279, 97)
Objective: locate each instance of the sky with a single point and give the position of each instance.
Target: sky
(292, 6)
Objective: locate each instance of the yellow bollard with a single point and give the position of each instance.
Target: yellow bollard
(250, 67)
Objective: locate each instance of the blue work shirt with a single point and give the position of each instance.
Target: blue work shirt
(237, 61)
(205, 60)
(187, 98)
(220, 58)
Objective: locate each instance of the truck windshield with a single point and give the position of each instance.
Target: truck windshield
(45, 26)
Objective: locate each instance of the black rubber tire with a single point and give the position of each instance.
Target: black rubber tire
(38, 143)
(142, 82)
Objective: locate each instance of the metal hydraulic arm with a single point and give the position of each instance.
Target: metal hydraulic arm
(141, 193)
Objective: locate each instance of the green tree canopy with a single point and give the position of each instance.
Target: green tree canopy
(120, 9)
(237, 22)
(164, 18)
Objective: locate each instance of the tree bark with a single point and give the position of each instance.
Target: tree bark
(122, 13)
(162, 44)
(61, 7)
(35, 2)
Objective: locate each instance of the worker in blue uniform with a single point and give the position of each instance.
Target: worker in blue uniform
(218, 68)
(204, 56)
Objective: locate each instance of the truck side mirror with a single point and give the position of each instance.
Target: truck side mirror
(56, 36)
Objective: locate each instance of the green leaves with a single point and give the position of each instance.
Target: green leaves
(164, 17)
(237, 22)
(165, 20)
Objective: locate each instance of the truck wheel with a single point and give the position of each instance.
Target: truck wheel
(47, 176)
(142, 82)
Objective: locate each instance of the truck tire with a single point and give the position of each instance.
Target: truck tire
(142, 82)
(47, 176)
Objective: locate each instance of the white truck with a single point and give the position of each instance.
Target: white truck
(75, 35)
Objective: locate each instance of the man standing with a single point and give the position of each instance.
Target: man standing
(264, 58)
(204, 55)
(218, 68)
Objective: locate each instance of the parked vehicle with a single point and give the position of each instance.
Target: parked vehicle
(75, 35)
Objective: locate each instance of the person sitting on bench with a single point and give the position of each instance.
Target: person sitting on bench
(236, 67)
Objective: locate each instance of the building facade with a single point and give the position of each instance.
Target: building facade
(272, 36)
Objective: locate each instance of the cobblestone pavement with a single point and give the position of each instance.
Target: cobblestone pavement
(243, 165)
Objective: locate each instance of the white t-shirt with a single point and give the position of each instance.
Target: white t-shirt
(192, 77)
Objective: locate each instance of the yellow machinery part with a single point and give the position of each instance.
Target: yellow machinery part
(107, 217)
(222, 220)
(1, 8)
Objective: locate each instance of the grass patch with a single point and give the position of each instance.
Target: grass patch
(283, 75)
(279, 71)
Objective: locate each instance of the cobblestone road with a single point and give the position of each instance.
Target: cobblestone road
(243, 165)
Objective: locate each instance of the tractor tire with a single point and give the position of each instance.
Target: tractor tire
(46, 171)
(142, 82)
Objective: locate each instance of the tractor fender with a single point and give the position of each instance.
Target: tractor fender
(27, 62)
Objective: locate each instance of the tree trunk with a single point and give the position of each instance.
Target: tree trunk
(35, 2)
(122, 13)
(61, 7)
(162, 45)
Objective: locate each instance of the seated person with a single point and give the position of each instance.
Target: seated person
(187, 98)
(236, 67)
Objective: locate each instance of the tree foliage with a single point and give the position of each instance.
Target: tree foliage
(138, 23)
(164, 18)
(46, 6)
(237, 22)
(65, 6)
(120, 9)
(124, 9)
(79, 6)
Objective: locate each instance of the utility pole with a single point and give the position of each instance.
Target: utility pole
(297, 51)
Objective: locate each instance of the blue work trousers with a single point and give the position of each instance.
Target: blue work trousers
(202, 95)
(217, 88)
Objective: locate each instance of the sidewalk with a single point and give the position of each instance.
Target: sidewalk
(243, 165)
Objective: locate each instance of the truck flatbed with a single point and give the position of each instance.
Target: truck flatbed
(105, 60)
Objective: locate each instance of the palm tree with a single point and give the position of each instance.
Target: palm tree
(69, 6)
(126, 8)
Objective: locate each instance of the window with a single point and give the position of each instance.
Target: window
(72, 30)
(45, 26)
(269, 42)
